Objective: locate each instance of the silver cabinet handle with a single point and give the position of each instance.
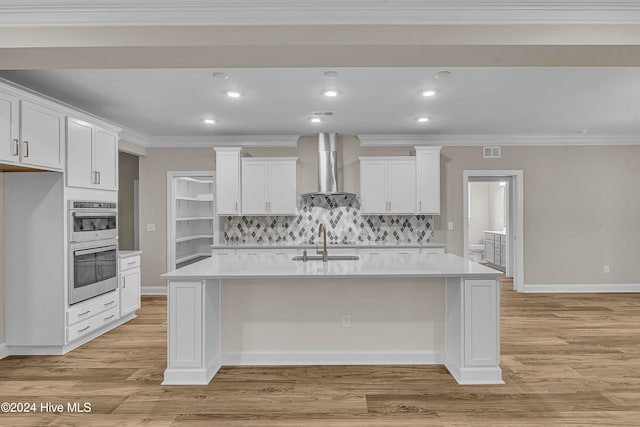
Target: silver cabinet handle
(86, 312)
(269, 206)
(132, 263)
(26, 148)
(108, 303)
(84, 329)
(236, 209)
(110, 317)
(266, 207)
(99, 177)
(420, 205)
(16, 147)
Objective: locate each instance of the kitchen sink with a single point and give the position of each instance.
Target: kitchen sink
(329, 258)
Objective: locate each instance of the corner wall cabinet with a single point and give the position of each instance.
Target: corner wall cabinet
(191, 217)
(228, 181)
(428, 180)
(269, 186)
(388, 185)
(92, 156)
(31, 133)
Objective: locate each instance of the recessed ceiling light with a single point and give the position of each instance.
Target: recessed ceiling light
(209, 121)
(233, 94)
(222, 76)
(315, 120)
(442, 74)
(331, 74)
(330, 93)
(422, 119)
(428, 92)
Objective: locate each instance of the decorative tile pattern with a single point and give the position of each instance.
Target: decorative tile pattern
(340, 214)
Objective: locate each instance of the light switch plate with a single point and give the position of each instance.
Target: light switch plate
(450, 226)
(151, 227)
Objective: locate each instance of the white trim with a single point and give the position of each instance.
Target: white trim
(332, 12)
(177, 376)
(134, 137)
(471, 376)
(4, 351)
(224, 141)
(517, 197)
(333, 358)
(582, 288)
(153, 290)
(497, 140)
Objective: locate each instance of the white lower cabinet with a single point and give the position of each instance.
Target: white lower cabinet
(129, 279)
(92, 324)
(89, 316)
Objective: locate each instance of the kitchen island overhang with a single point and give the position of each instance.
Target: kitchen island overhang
(471, 317)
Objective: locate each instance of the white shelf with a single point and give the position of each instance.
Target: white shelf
(195, 218)
(208, 198)
(196, 237)
(193, 256)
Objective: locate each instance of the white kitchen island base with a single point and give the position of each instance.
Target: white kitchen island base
(471, 350)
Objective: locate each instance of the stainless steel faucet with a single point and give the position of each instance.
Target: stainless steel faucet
(323, 230)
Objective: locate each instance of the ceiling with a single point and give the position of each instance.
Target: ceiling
(478, 101)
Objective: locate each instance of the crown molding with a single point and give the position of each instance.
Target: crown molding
(307, 12)
(134, 137)
(224, 141)
(504, 140)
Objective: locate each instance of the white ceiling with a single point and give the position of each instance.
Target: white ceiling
(501, 101)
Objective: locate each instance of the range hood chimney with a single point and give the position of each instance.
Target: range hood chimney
(328, 166)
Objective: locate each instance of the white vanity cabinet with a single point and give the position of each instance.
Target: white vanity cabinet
(387, 185)
(269, 186)
(129, 279)
(495, 248)
(92, 156)
(428, 180)
(228, 181)
(32, 133)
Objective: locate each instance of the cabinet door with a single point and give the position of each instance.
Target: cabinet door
(79, 154)
(402, 186)
(228, 182)
(105, 159)
(282, 187)
(428, 180)
(129, 291)
(42, 136)
(9, 128)
(373, 187)
(254, 188)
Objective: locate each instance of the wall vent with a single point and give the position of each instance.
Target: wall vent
(491, 152)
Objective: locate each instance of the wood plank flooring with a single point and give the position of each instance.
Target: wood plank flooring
(568, 360)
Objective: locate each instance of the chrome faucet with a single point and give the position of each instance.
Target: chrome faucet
(323, 230)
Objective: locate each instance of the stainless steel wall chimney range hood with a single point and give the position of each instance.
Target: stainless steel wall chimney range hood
(328, 168)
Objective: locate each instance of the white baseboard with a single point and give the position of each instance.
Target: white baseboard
(333, 358)
(4, 351)
(598, 288)
(153, 290)
(474, 376)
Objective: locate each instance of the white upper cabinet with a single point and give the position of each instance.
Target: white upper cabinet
(428, 180)
(31, 134)
(92, 156)
(228, 181)
(269, 186)
(387, 185)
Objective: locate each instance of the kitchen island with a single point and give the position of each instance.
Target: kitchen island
(469, 321)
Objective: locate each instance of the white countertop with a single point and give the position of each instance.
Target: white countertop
(127, 254)
(303, 245)
(368, 266)
(495, 232)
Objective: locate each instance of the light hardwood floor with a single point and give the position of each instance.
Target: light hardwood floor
(568, 359)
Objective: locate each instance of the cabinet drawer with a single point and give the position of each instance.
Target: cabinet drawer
(489, 237)
(87, 309)
(93, 324)
(129, 262)
(503, 239)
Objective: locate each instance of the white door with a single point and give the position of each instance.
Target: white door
(282, 188)
(254, 188)
(373, 187)
(42, 136)
(9, 128)
(402, 186)
(106, 159)
(428, 181)
(79, 154)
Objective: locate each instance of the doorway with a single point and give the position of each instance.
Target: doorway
(493, 220)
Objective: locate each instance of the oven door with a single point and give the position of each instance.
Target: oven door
(86, 226)
(94, 271)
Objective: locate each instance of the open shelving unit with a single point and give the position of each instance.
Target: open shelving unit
(191, 217)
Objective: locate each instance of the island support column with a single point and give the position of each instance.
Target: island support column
(193, 332)
(472, 330)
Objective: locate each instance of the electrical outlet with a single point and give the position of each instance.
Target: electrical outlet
(346, 320)
(151, 227)
(606, 268)
(450, 226)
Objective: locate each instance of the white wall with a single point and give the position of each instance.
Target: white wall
(487, 210)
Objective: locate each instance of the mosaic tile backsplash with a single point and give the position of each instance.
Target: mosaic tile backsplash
(341, 216)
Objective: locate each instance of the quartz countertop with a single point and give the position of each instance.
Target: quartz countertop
(127, 254)
(303, 245)
(368, 266)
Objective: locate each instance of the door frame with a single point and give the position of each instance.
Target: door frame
(515, 222)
